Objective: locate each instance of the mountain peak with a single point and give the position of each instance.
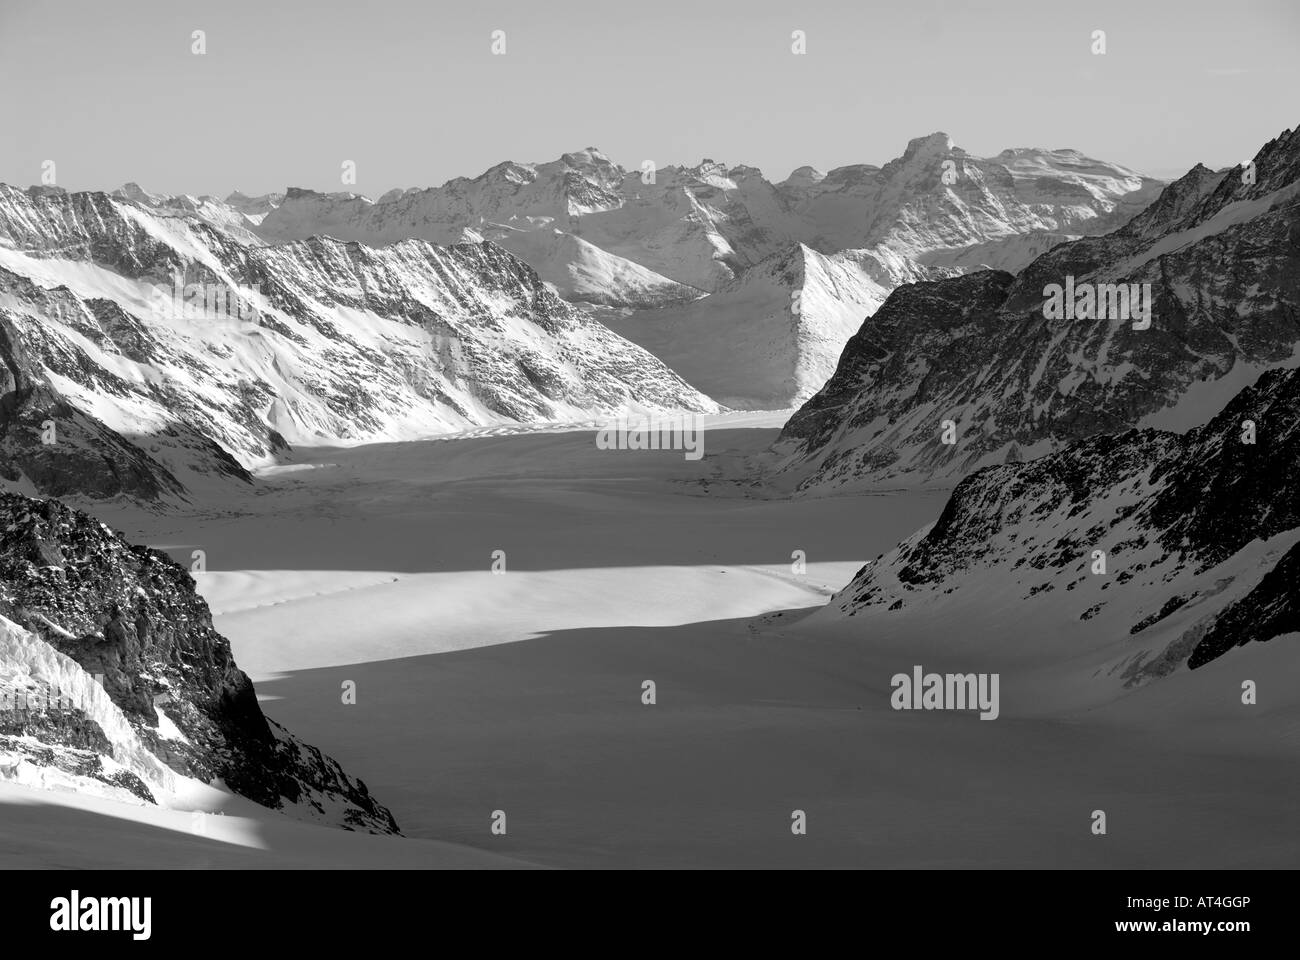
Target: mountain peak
(509, 171)
(588, 156)
(933, 145)
(804, 176)
(137, 194)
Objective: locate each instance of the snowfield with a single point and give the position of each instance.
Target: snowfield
(523, 691)
(72, 830)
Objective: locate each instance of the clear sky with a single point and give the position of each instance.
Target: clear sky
(411, 92)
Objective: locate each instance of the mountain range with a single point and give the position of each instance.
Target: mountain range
(696, 263)
(1217, 252)
(1121, 482)
(516, 296)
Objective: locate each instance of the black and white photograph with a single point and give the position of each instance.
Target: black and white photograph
(833, 436)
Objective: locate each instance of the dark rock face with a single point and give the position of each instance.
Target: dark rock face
(1220, 493)
(67, 728)
(1268, 611)
(1185, 521)
(133, 615)
(1222, 257)
(926, 335)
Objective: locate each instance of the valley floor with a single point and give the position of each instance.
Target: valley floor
(522, 691)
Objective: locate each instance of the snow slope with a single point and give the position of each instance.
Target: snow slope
(522, 691)
(205, 829)
(769, 339)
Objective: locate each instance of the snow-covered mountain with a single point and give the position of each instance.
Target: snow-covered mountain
(654, 242)
(1127, 556)
(535, 211)
(236, 216)
(168, 352)
(389, 319)
(984, 359)
(113, 681)
(254, 208)
(703, 225)
(584, 273)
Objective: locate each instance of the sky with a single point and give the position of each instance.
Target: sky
(411, 93)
